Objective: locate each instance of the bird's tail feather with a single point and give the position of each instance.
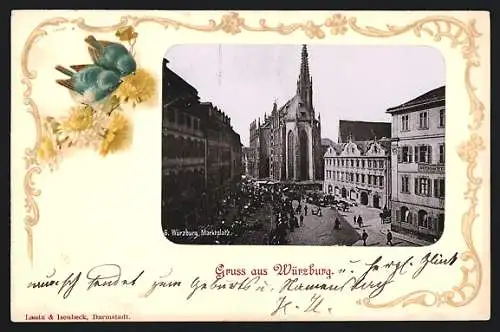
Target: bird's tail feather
(64, 70)
(93, 42)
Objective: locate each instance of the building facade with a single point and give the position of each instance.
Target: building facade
(325, 144)
(254, 149)
(183, 155)
(359, 171)
(245, 161)
(418, 145)
(286, 145)
(201, 154)
(223, 154)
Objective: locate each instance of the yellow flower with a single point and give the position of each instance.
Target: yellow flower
(338, 24)
(231, 23)
(80, 119)
(117, 135)
(46, 151)
(138, 87)
(126, 33)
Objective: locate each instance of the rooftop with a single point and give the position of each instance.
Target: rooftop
(433, 96)
(363, 146)
(363, 130)
(170, 75)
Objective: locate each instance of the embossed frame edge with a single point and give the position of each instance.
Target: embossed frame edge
(460, 33)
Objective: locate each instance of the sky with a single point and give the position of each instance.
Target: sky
(349, 82)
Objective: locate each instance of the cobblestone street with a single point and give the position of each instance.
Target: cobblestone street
(320, 230)
(377, 232)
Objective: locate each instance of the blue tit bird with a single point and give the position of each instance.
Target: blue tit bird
(92, 82)
(111, 56)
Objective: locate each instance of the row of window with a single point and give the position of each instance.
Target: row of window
(354, 163)
(183, 119)
(421, 218)
(376, 180)
(180, 147)
(222, 136)
(219, 177)
(420, 154)
(424, 186)
(218, 154)
(423, 122)
(175, 183)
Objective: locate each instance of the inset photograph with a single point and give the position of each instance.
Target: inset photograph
(303, 145)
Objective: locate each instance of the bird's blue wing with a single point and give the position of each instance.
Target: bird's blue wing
(107, 79)
(101, 58)
(86, 78)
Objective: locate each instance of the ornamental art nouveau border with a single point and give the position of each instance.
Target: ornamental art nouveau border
(461, 35)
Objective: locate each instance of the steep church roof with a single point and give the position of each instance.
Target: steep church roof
(423, 101)
(363, 130)
(299, 106)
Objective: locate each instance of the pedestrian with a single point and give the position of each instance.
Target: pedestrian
(364, 237)
(301, 220)
(337, 223)
(305, 210)
(360, 221)
(319, 211)
(354, 218)
(389, 238)
(295, 221)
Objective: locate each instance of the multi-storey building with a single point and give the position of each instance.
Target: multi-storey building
(223, 153)
(183, 163)
(287, 144)
(359, 171)
(245, 161)
(418, 172)
(254, 149)
(325, 144)
(201, 154)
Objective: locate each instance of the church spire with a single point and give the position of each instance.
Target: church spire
(304, 77)
(304, 83)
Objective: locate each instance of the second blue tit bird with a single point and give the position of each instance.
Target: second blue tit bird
(111, 56)
(92, 82)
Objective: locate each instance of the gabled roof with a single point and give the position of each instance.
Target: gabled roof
(363, 146)
(427, 100)
(363, 130)
(170, 76)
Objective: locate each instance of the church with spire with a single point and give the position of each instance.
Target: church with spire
(285, 144)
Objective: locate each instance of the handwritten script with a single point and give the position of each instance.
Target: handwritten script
(295, 288)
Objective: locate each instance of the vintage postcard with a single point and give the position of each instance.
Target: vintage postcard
(250, 166)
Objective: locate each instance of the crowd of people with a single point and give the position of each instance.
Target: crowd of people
(273, 210)
(286, 217)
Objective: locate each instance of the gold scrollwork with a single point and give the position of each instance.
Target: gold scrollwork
(438, 27)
